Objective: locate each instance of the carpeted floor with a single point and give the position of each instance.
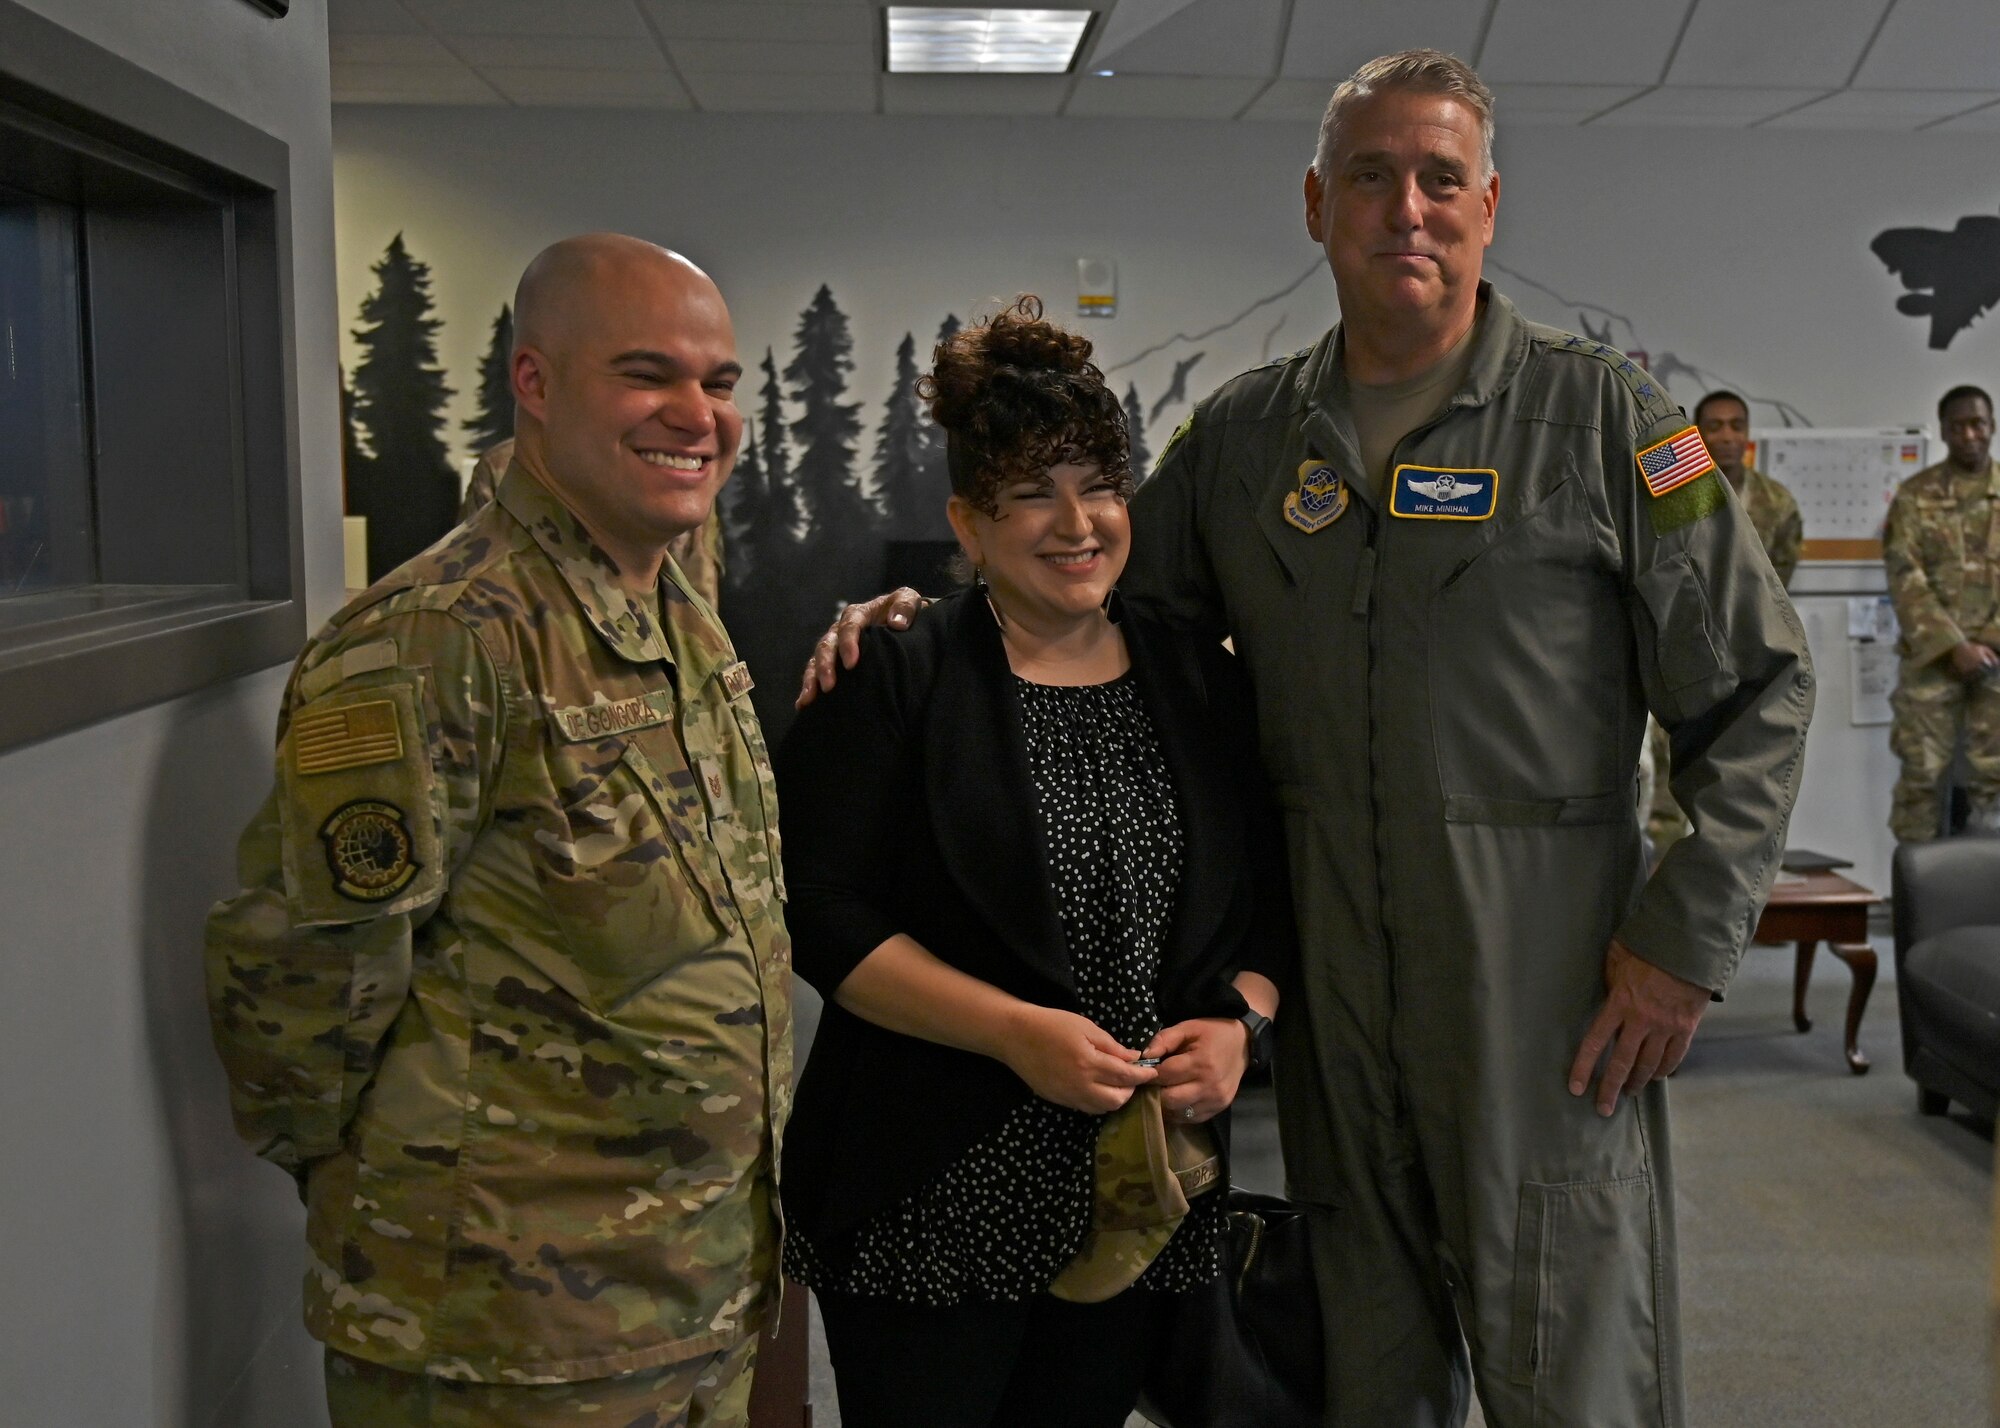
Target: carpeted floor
(1836, 1246)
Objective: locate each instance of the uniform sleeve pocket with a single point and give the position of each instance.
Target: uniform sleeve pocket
(1585, 1317)
(1690, 657)
(360, 812)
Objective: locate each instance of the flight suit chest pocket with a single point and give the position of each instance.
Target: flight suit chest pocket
(626, 866)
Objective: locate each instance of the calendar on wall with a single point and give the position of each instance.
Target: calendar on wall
(1843, 479)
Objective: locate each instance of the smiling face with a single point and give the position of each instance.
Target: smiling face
(1053, 547)
(1404, 211)
(631, 392)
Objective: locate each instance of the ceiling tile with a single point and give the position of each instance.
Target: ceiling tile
(973, 93)
(409, 84)
(824, 24)
(1157, 96)
(1936, 44)
(744, 57)
(1554, 103)
(1885, 109)
(1580, 41)
(369, 17)
(529, 17)
(1332, 41)
(589, 88)
(1695, 106)
(1794, 44)
(784, 94)
(388, 49)
(1293, 101)
(1130, 19)
(586, 52)
(1218, 37)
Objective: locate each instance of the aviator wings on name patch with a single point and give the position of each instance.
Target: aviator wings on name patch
(1437, 493)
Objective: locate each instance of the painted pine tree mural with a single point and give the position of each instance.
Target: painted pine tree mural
(407, 490)
(493, 423)
(1135, 433)
(899, 452)
(838, 510)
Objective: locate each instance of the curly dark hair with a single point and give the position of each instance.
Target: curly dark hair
(1017, 394)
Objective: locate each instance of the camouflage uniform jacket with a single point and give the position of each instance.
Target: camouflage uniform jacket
(698, 553)
(1942, 550)
(1775, 513)
(508, 983)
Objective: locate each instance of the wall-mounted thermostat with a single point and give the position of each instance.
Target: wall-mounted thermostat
(1096, 287)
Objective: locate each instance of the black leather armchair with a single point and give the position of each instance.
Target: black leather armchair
(1947, 922)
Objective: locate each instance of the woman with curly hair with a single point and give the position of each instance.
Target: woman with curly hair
(1034, 874)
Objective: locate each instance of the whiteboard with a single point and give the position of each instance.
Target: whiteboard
(1843, 479)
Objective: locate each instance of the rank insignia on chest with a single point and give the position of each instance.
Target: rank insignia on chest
(1320, 500)
(1437, 493)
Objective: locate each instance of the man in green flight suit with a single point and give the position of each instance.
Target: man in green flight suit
(1462, 556)
(507, 987)
(1942, 550)
(1723, 418)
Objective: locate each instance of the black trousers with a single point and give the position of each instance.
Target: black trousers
(1039, 1363)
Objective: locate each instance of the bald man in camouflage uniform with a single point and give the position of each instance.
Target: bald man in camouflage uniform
(507, 988)
(698, 553)
(1941, 548)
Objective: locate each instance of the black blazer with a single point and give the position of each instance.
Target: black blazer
(908, 807)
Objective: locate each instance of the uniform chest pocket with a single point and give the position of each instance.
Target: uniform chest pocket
(1941, 546)
(627, 866)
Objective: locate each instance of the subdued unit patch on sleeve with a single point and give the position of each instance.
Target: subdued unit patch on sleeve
(359, 820)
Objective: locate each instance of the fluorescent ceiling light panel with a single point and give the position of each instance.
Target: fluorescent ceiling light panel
(925, 40)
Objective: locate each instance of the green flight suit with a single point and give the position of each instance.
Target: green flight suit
(1451, 709)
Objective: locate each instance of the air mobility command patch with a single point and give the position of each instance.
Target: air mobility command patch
(1435, 493)
(1681, 478)
(1320, 500)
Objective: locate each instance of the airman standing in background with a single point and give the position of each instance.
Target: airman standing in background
(507, 988)
(1942, 550)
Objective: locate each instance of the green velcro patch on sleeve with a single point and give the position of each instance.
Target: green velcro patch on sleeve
(1687, 504)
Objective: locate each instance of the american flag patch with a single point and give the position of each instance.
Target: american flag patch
(351, 737)
(1674, 462)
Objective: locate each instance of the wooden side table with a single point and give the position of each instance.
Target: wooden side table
(1825, 907)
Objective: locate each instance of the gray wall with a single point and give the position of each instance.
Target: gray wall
(153, 1266)
(1744, 254)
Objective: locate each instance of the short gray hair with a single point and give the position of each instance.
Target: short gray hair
(1417, 71)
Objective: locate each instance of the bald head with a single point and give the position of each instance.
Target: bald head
(624, 375)
(564, 289)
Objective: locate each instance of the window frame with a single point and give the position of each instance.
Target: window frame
(78, 664)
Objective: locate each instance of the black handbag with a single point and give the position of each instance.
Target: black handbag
(1245, 1351)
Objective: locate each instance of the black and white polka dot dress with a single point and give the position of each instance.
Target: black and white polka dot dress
(1001, 1221)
